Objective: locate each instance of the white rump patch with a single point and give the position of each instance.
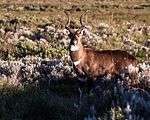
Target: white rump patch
(74, 47)
(77, 62)
(82, 79)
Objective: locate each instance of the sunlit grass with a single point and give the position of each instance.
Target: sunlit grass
(56, 100)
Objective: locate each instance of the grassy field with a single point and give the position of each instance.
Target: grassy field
(43, 12)
(36, 80)
(33, 15)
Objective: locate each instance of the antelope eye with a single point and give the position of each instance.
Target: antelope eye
(77, 34)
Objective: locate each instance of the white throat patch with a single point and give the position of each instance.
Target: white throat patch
(74, 48)
(77, 62)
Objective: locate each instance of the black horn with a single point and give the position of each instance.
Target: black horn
(68, 21)
(82, 18)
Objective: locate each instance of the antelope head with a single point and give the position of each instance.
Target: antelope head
(75, 35)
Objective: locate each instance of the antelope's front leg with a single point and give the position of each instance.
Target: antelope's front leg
(82, 84)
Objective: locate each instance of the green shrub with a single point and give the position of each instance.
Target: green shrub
(43, 50)
(141, 54)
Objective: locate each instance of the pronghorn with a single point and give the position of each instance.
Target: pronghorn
(90, 63)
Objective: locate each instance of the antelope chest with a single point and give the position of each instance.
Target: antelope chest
(82, 69)
(78, 67)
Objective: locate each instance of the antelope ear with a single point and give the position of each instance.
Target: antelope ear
(84, 31)
(66, 32)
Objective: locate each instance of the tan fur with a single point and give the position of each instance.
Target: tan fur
(101, 62)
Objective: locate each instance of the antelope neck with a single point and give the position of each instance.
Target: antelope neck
(77, 62)
(76, 52)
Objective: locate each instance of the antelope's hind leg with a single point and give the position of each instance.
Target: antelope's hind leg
(116, 78)
(131, 80)
(134, 79)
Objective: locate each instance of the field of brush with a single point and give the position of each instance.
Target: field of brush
(37, 81)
